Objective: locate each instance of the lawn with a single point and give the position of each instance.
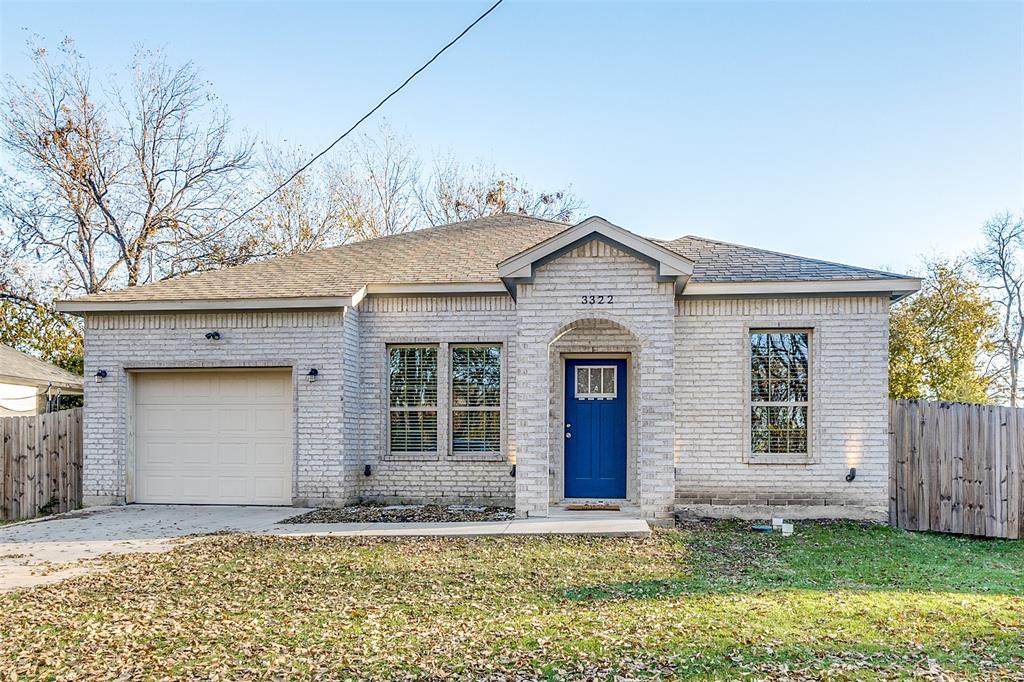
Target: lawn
(706, 601)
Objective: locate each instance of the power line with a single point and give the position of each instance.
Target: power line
(368, 114)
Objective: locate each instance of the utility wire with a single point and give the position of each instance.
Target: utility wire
(370, 113)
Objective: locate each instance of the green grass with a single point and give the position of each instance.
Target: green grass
(707, 601)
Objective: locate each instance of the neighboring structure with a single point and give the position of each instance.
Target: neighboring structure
(505, 359)
(30, 386)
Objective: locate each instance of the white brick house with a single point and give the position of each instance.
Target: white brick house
(502, 360)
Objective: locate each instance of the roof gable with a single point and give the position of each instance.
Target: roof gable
(670, 265)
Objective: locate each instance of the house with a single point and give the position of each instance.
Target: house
(506, 359)
(30, 386)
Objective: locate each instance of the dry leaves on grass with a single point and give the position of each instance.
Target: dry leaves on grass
(253, 607)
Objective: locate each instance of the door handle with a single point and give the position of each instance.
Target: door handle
(568, 435)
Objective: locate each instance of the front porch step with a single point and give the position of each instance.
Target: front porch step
(592, 506)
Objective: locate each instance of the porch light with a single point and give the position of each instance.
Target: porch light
(100, 376)
(367, 470)
(312, 374)
(213, 336)
(852, 475)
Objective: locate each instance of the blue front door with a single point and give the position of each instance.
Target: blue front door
(595, 428)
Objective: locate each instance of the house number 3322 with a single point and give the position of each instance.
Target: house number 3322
(598, 299)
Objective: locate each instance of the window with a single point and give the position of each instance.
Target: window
(596, 382)
(476, 399)
(412, 395)
(779, 389)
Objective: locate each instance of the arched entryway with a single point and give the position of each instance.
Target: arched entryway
(594, 364)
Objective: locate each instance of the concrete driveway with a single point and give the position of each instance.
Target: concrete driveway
(35, 552)
(31, 552)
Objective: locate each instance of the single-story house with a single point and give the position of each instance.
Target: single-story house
(30, 386)
(506, 359)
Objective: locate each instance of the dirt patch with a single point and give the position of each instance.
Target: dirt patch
(427, 513)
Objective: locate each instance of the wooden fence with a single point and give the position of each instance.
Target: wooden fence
(956, 468)
(40, 464)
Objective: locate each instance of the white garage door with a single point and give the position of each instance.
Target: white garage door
(213, 437)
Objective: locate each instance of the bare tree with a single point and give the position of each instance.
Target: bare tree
(999, 263)
(311, 212)
(117, 188)
(379, 187)
(455, 192)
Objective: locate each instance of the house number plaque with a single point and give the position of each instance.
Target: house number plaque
(598, 299)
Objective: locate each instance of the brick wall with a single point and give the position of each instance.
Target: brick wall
(689, 423)
(553, 304)
(441, 320)
(849, 390)
(301, 340)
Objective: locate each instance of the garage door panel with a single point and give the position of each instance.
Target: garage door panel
(194, 452)
(234, 489)
(159, 419)
(274, 387)
(196, 420)
(238, 419)
(272, 454)
(160, 488)
(162, 454)
(158, 389)
(268, 488)
(235, 454)
(217, 437)
(239, 386)
(271, 419)
(197, 386)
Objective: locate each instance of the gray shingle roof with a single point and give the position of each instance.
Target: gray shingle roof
(716, 261)
(466, 252)
(21, 368)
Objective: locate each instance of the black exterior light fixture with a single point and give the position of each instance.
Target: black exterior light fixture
(100, 376)
(312, 374)
(213, 336)
(852, 475)
(367, 470)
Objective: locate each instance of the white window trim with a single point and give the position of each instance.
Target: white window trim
(436, 408)
(500, 409)
(792, 326)
(596, 396)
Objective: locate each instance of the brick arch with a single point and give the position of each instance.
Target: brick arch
(572, 322)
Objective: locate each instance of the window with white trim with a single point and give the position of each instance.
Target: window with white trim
(779, 392)
(412, 399)
(596, 382)
(476, 399)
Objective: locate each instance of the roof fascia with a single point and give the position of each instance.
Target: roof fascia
(85, 306)
(897, 288)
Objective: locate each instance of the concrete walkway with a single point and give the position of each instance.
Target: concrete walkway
(35, 552)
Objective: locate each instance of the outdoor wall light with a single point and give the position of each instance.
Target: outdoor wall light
(213, 336)
(852, 475)
(100, 376)
(367, 470)
(312, 374)
(513, 472)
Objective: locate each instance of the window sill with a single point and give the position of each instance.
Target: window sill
(761, 458)
(477, 457)
(411, 457)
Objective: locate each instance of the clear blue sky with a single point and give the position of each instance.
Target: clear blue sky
(868, 132)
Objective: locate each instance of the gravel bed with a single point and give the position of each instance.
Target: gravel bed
(426, 513)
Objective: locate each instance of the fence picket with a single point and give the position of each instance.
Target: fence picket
(956, 468)
(40, 461)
